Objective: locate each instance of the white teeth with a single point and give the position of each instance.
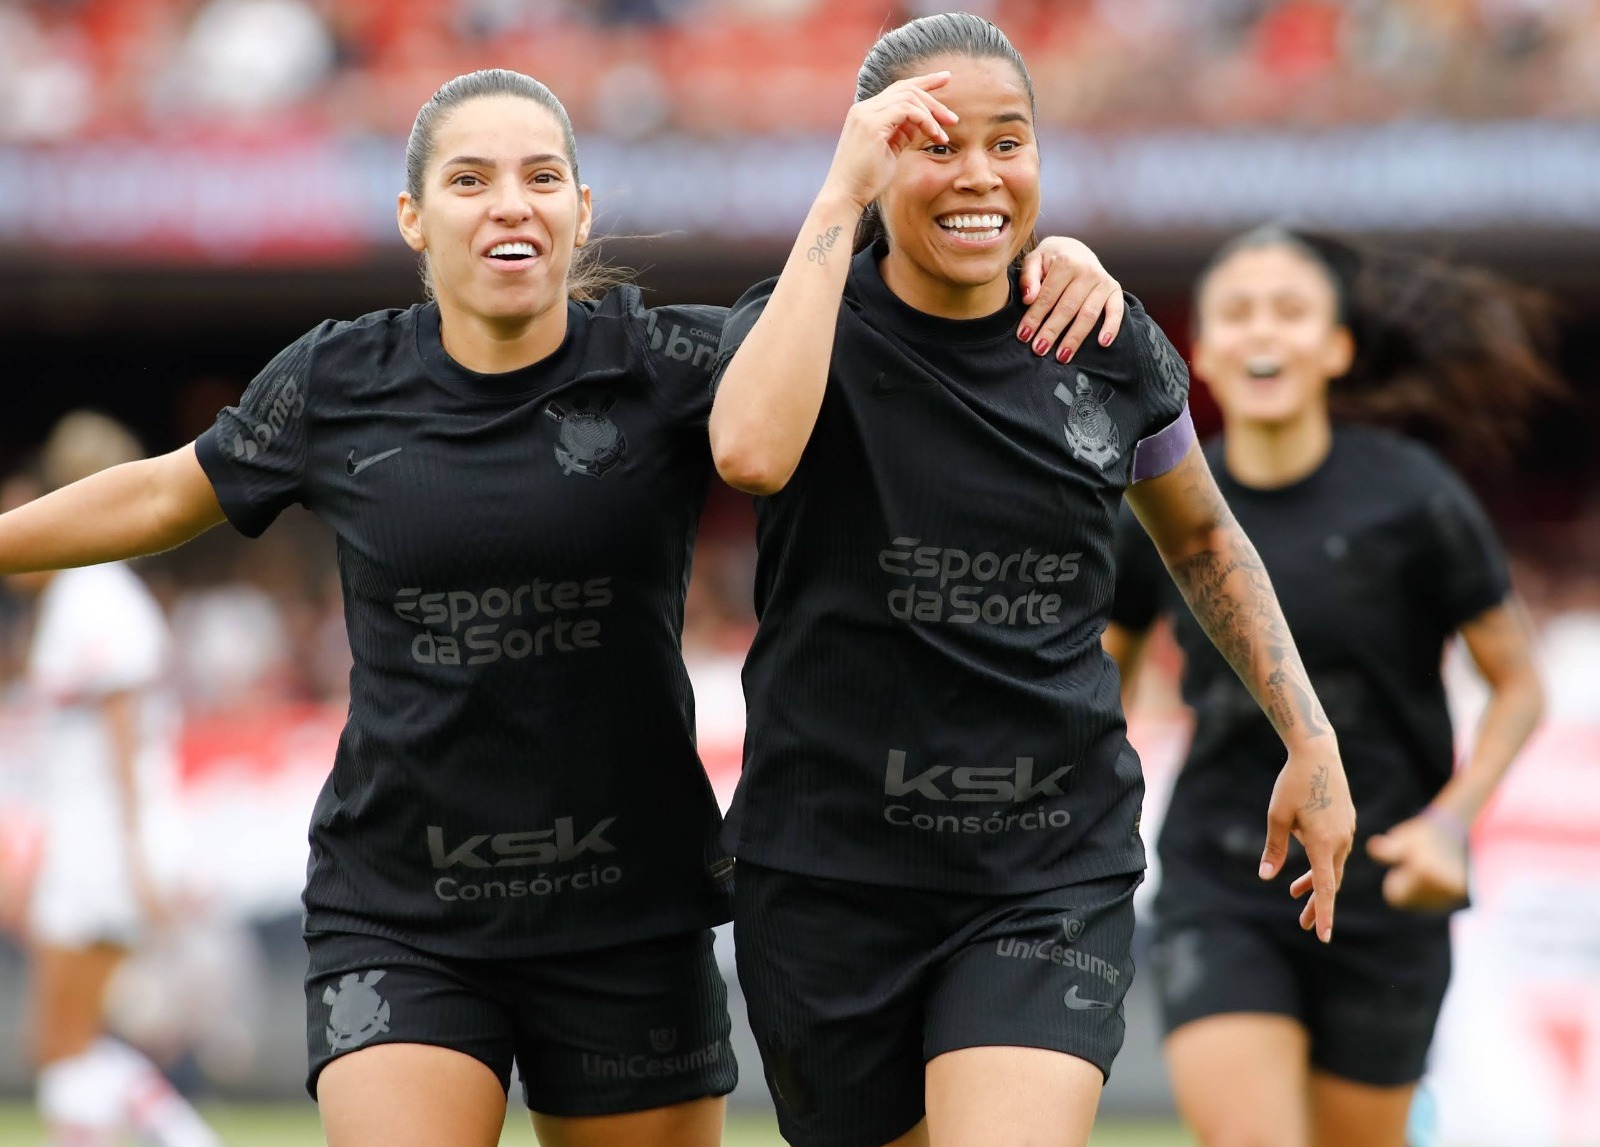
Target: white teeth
(1263, 367)
(989, 224)
(513, 249)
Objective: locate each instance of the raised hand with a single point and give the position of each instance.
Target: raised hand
(877, 130)
(1063, 282)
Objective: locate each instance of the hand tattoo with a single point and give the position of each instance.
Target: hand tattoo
(824, 244)
(1319, 798)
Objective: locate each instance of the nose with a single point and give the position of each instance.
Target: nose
(976, 172)
(510, 202)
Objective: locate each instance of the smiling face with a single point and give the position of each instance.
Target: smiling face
(500, 212)
(1269, 339)
(958, 214)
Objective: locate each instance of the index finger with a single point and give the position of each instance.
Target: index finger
(928, 80)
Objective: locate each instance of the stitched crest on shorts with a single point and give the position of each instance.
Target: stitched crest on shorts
(357, 1012)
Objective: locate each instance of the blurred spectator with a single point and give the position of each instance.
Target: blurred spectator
(247, 58)
(95, 65)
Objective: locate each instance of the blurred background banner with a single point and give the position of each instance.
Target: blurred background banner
(322, 197)
(188, 185)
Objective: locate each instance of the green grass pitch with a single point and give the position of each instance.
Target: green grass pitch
(295, 1125)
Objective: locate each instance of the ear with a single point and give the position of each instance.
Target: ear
(1340, 354)
(585, 215)
(409, 218)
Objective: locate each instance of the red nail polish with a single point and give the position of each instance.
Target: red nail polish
(1025, 334)
(1042, 346)
(1065, 353)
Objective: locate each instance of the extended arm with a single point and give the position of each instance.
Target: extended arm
(1227, 588)
(1427, 854)
(127, 511)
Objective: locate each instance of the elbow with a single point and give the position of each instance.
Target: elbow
(747, 466)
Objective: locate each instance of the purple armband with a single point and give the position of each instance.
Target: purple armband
(1164, 449)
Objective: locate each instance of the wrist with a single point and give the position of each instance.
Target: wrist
(1448, 822)
(836, 206)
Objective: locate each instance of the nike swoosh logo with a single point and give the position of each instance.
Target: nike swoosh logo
(1078, 1004)
(353, 467)
(883, 385)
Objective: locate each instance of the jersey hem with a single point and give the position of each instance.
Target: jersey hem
(1121, 863)
(466, 946)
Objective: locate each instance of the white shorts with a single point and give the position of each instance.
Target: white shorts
(82, 893)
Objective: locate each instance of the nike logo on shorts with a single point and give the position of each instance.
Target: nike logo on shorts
(353, 467)
(1078, 1004)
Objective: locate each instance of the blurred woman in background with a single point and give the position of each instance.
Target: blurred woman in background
(1380, 555)
(97, 673)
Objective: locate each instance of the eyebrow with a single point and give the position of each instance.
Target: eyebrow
(1010, 117)
(526, 161)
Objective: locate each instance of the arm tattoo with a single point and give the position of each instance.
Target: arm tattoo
(824, 244)
(1228, 590)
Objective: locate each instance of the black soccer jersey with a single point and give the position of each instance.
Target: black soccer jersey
(928, 703)
(518, 772)
(1378, 556)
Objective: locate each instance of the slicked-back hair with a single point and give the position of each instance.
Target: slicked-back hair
(1455, 356)
(587, 276)
(902, 52)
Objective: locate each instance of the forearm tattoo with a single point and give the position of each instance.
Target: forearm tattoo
(824, 244)
(1228, 590)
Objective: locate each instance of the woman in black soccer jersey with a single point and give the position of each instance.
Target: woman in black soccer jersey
(515, 857)
(1380, 555)
(937, 824)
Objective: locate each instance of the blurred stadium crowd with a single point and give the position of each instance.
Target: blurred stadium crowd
(73, 69)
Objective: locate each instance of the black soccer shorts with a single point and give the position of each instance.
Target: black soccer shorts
(1369, 1001)
(622, 1029)
(852, 988)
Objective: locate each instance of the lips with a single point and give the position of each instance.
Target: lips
(513, 250)
(974, 226)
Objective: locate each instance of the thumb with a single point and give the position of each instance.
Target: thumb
(1384, 848)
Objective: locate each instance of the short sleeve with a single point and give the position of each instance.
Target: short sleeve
(741, 320)
(1168, 431)
(680, 347)
(1467, 566)
(255, 452)
(1141, 575)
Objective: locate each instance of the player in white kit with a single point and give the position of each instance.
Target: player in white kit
(95, 674)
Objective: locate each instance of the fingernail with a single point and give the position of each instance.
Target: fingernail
(1265, 871)
(1327, 935)
(1041, 346)
(1105, 338)
(1065, 353)
(1025, 334)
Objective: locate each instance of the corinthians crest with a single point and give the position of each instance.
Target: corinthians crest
(357, 1013)
(1089, 429)
(590, 442)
